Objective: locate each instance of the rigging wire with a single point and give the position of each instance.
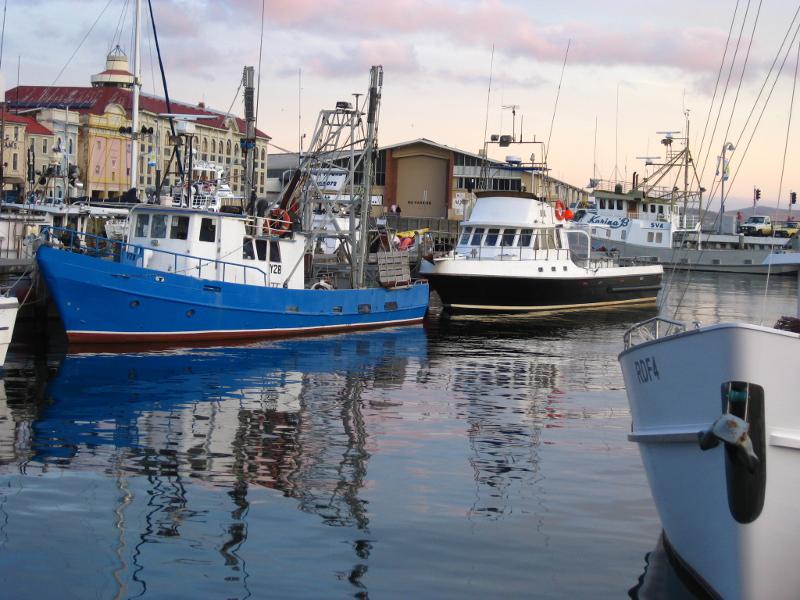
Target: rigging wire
(74, 52)
(117, 37)
(3, 33)
(725, 91)
(783, 169)
(485, 166)
(555, 106)
(716, 85)
(744, 153)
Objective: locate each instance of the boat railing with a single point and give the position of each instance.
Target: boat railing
(652, 329)
(134, 254)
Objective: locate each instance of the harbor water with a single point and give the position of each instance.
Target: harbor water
(474, 457)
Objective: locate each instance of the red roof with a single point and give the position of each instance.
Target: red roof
(31, 125)
(94, 100)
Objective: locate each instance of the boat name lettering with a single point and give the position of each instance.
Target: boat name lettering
(646, 369)
(274, 269)
(612, 222)
(658, 225)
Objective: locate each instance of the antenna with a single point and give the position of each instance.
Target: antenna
(513, 108)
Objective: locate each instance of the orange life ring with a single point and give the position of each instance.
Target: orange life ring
(560, 210)
(277, 222)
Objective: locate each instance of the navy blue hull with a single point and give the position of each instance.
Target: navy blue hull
(104, 301)
(517, 294)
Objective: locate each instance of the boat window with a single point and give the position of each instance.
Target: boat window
(465, 236)
(142, 225)
(179, 228)
(620, 205)
(508, 237)
(476, 237)
(247, 249)
(624, 234)
(274, 252)
(602, 204)
(652, 208)
(208, 230)
(159, 227)
(491, 237)
(644, 207)
(649, 236)
(545, 240)
(525, 237)
(661, 209)
(261, 249)
(659, 237)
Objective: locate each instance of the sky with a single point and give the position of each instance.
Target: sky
(632, 68)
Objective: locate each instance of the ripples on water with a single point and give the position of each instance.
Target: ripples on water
(472, 458)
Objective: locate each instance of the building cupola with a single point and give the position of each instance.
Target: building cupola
(117, 73)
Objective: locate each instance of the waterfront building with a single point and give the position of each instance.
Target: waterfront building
(426, 179)
(96, 115)
(27, 151)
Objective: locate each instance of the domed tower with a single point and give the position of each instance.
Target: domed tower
(117, 72)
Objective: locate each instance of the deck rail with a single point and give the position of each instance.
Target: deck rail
(652, 329)
(134, 254)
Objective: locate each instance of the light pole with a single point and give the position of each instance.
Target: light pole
(726, 147)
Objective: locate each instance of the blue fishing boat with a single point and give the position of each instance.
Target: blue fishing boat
(225, 272)
(169, 283)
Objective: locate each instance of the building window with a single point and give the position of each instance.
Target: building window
(16, 133)
(228, 149)
(14, 164)
(262, 157)
(44, 146)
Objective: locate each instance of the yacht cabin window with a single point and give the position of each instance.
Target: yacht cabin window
(142, 225)
(652, 208)
(491, 237)
(465, 236)
(208, 230)
(659, 237)
(661, 209)
(179, 228)
(476, 236)
(620, 205)
(508, 237)
(602, 203)
(525, 237)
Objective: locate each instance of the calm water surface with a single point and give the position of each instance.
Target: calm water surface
(471, 458)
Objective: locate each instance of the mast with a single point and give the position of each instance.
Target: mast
(137, 68)
(249, 143)
(373, 104)
(686, 172)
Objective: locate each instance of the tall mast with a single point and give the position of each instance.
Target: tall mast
(249, 146)
(373, 105)
(137, 72)
(686, 172)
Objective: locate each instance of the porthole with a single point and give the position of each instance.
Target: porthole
(190, 312)
(134, 303)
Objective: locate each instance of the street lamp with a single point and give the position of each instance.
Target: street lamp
(726, 147)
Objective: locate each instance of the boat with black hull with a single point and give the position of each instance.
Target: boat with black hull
(514, 255)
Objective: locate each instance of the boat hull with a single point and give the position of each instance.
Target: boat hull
(101, 301)
(9, 306)
(675, 387)
(471, 292)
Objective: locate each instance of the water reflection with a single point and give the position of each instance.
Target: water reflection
(664, 579)
(167, 427)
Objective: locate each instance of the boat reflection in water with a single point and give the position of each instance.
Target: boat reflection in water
(150, 440)
(664, 578)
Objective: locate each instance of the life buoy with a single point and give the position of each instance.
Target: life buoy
(560, 210)
(322, 285)
(278, 222)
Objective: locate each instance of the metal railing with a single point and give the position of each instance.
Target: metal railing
(652, 329)
(134, 255)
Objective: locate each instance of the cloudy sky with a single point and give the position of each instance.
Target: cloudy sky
(632, 69)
